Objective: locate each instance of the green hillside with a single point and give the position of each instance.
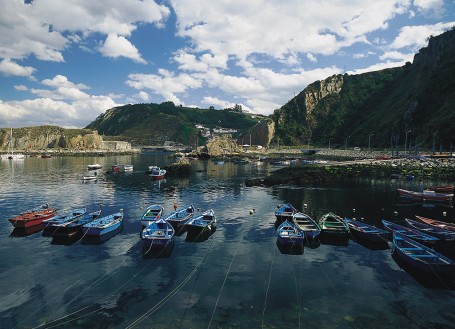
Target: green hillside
(152, 124)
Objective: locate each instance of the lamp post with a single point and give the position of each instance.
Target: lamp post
(346, 142)
(369, 138)
(406, 140)
(329, 142)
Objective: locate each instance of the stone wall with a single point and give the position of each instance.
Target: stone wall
(117, 145)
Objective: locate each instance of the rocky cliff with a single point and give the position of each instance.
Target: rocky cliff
(260, 134)
(44, 137)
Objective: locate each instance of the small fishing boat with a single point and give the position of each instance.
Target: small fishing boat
(305, 223)
(367, 231)
(157, 173)
(33, 217)
(11, 155)
(127, 167)
(421, 257)
(333, 225)
(426, 195)
(203, 222)
(158, 234)
(285, 212)
(442, 188)
(103, 225)
(178, 217)
(71, 228)
(289, 234)
(437, 223)
(412, 233)
(64, 217)
(115, 168)
(440, 233)
(94, 166)
(90, 177)
(151, 214)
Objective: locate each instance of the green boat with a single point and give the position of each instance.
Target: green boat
(333, 225)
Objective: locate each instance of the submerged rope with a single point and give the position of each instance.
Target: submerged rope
(268, 287)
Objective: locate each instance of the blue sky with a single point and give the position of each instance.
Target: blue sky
(65, 62)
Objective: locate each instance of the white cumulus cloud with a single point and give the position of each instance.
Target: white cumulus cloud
(118, 46)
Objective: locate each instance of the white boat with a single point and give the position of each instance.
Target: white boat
(157, 173)
(127, 167)
(11, 155)
(94, 166)
(151, 214)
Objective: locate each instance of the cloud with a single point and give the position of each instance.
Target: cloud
(7, 67)
(117, 46)
(416, 37)
(21, 87)
(211, 101)
(433, 8)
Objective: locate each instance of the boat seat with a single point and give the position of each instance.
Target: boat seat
(406, 249)
(424, 256)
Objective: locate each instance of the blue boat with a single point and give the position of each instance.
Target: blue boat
(305, 223)
(158, 234)
(103, 225)
(285, 212)
(201, 223)
(151, 214)
(440, 233)
(289, 234)
(411, 233)
(64, 217)
(422, 257)
(178, 217)
(71, 228)
(367, 231)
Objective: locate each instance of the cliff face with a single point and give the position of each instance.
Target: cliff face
(261, 134)
(223, 145)
(43, 137)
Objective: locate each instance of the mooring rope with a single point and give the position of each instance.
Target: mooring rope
(268, 287)
(222, 286)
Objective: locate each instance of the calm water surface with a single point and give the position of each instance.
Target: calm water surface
(236, 278)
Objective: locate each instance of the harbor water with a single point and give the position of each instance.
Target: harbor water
(235, 277)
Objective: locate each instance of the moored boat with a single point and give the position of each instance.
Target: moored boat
(333, 225)
(437, 223)
(94, 166)
(421, 257)
(103, 225)
(33, 217)
(157, 173)
(178, 217)
(65, 216)
(442, 188)
(285, 212)
(127, 167)
(71, 228)
(289, 234)
(410, 233)
(440, 233)
(426, 195)
(307, 224)
(158, 234)
(151, 214)
(200, 223)
(367, 231)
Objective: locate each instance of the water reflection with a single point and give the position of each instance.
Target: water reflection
(26, 231)
(290, 249)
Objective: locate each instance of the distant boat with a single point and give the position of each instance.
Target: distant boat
(178, 217)
(203, 222)
(151, 214)
(333, 225)
(367, 231)
(442, 188)
(309, 152)
(411, 233)
(440, 233)
(158, 234)
(127, 167)
(289, 234)
(157, 173)
(426, 195)
(46, 155)
(305, 223)
(421, 257)
(94, 166)
(11, 155)
(103, 225)
(437, 223)
(285, 212)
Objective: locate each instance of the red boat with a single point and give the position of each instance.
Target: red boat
(157, 173)
(424, 196)
(442, 188)
(29, 219)
(437, 223)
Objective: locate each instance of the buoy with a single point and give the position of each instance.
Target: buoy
(395, 213)
(251, 211)
(444, 213)
(353, 210)
(305, 205)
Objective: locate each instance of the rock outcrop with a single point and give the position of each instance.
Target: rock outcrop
(222, 145)
(260, 134)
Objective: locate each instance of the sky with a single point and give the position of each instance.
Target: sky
(65, 62)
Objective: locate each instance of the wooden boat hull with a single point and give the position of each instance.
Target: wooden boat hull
(425, 196)
(436, 223)
(288, 234)
(421, 257)
(97, 231)
(285, 212)
(441, 234)
(31, 219)
(307, 225)
(367, 232)
(411, 233)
